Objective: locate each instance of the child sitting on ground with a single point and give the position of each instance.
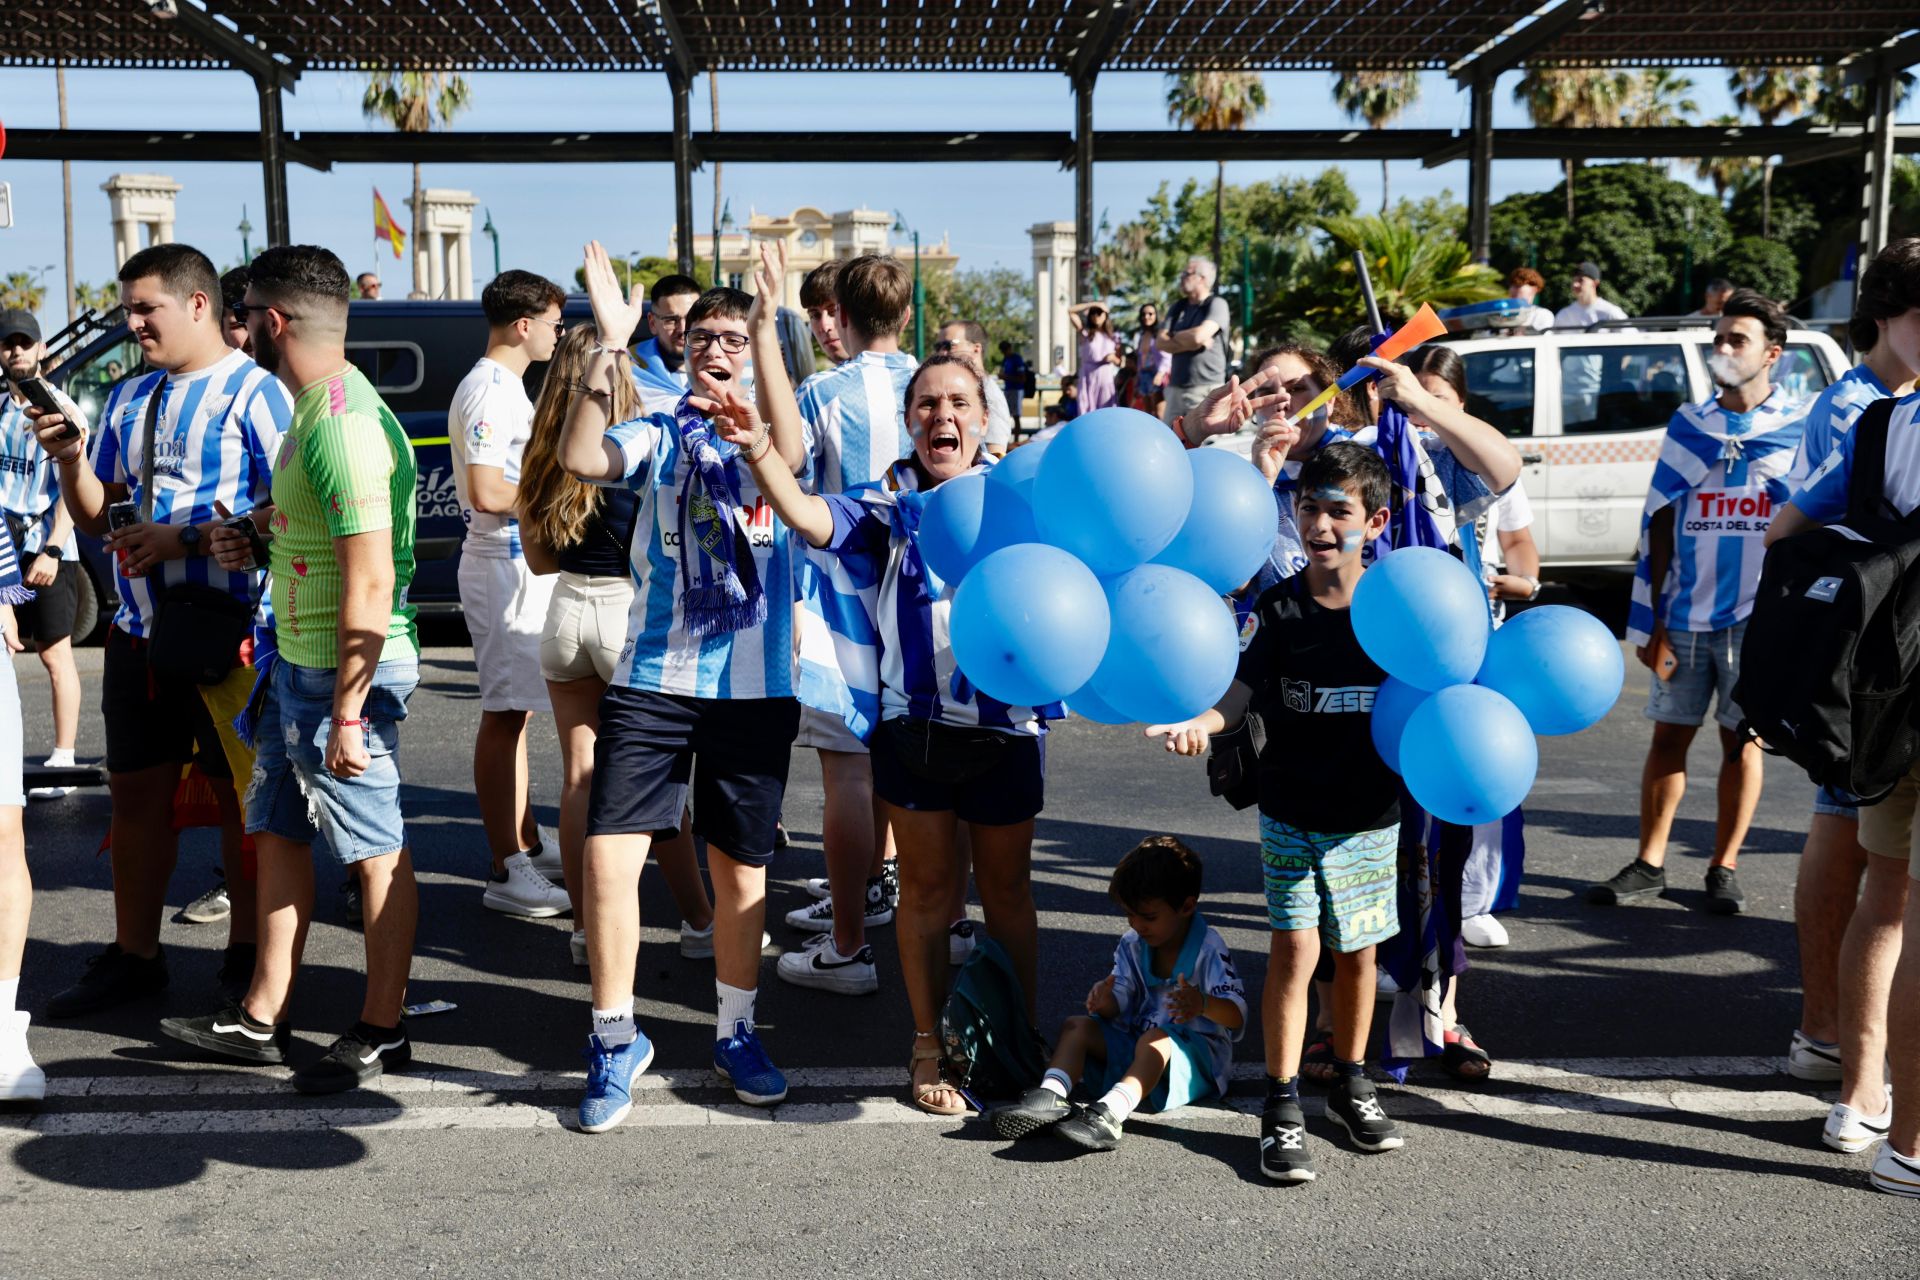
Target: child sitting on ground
(1159, 1029)
(1329, 806)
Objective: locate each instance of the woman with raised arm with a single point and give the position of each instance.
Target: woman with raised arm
(1099, 354)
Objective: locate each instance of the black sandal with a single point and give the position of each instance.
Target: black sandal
(1317, 1063)
(1463, 1058)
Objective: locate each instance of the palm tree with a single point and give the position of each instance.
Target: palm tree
(102, 298)
(1577, 99)
(1725, 172)
(1224, 100)
(1407, 266)
(20, 291)
(1773, 94)
(415, 102)
(1379, 98)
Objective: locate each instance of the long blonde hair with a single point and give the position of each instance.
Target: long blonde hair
(554, 506)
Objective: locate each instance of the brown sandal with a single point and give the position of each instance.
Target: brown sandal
(929, 1051)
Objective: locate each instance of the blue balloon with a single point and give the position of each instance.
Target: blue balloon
(1019, 467)
(1113, 489)
(1230, 529)
(1422, 615)
(966, 520)
(1559, 665)
(1393, 703)
(1028, 625)
(1087, 705)
(1468, 755)
(1174, 646)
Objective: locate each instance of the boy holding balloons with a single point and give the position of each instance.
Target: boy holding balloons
(1329, 806)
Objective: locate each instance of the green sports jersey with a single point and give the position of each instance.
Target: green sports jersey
(344, 467)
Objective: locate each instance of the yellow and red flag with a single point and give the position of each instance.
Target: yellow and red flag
(384, 227)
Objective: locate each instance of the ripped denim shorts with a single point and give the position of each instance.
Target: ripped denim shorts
(292, 794)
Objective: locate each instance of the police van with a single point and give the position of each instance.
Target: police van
(414, 353)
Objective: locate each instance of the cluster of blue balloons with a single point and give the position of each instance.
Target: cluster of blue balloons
(1090, 568)
(1457, 716)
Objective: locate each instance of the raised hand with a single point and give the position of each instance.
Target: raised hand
(1188, 738)
(734, 418)
(768, 281)
(616, 312)
(1277, 437)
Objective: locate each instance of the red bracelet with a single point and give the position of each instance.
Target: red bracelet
(362, 723)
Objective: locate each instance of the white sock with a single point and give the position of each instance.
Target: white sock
(62, 758)
(1057, 1081)
(692, 932)
(9, 994)
(736, 1005)
(1121, 1100)
(615, 1026)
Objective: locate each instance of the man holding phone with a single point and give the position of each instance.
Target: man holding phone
(182, 445)
(41, 528)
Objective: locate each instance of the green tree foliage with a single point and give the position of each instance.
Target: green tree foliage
(1579, 98)
(1221, 100)
(1634, 222)
(1815, 213)
(1773, 94)
(1408, 265)
(1000, 299)
(1379, 98)
(21, 291)
(646, 269)
(415, 102)
(101, 297)
(1756, 263)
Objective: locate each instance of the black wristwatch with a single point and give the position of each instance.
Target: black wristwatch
(190, 538)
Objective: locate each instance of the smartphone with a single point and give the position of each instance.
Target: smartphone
(40, 395)
(255, 543)
(122, 514)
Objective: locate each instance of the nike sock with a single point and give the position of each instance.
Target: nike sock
(10, 995)
(1121, 1100)
(615, 1026)
(1057, 1082)
(736, 1005)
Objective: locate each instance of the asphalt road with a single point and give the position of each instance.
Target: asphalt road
(1637, 1121)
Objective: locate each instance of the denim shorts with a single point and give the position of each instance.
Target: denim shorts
(294, 797)
(1837, 804)
(1709, 667)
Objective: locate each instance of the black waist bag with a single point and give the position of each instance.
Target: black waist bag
(1233, 765)
(197, 634)
(1830, 668)
(943, 752)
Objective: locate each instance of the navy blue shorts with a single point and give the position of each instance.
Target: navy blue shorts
(732, 753)
(1000, 788)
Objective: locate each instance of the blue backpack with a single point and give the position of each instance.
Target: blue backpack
(992, 1051)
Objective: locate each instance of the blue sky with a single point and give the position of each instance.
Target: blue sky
(545, 213)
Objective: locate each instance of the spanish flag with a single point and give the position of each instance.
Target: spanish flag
(384, 227)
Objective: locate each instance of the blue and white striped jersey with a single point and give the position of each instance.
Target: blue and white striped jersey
(1832, 414)
(660, 387)
(215, 440)
(30, 479)
(1823, 498)
(1723, 473)
(1206, 963)
(855, 419)
(910, 610)
(661, 655)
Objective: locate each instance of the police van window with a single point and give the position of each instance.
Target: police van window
(90, 384)
(392, 367)
(1800, 371)
(1620, 388)
(1500, 389)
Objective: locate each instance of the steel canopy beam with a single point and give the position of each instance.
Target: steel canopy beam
(1518, 43)
(249, 56)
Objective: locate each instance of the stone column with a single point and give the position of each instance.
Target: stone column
(137, 200)
(436, 265)
(446, 233)
(1053, 275)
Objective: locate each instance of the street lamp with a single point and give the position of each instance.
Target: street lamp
(720, 229)
(492, 233)
(245, 229)
(900, 227)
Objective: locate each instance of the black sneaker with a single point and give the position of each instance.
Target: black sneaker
(1635, 881)
(356, 1058)
(236, 970)
(1036, 1110)
(1283, 1144)
(350, 899)
(1723, 892)
(232, 1034)
(1353, 1104)
(1092, 1128)
(112, 978)
(890, 884)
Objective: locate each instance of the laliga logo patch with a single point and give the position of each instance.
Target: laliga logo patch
(480, 433)
(1248, 630)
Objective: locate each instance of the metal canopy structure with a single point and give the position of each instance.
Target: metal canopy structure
(275, 41)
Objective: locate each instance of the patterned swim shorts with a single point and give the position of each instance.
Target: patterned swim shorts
(1344, 885)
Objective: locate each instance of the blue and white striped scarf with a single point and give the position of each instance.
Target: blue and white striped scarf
(720, 589)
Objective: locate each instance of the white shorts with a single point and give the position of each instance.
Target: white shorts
(826, 731)
(12, 753)
(506, 606)
(586, 627)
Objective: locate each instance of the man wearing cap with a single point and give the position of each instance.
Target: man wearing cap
(1587, 307)
(1580, 373)
(42, 533)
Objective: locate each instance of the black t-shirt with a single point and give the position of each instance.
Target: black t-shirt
(603, 549)
(1313, 686)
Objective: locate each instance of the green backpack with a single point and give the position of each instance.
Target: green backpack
(992, 1051)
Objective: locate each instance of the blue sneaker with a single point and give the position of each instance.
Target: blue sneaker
(742, 1063)
(610, 1073)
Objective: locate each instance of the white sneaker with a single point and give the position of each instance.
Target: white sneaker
(1853, 1131)
(546, 859)
(818, 887)
(960, 942)
(21, 1079)
(821, 965)
(817, 916)
(1483, 931)
(577, 944)
(525, 892)
(1894, 1173)
(1810, 1059)
(58, 760)
(697, 944)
